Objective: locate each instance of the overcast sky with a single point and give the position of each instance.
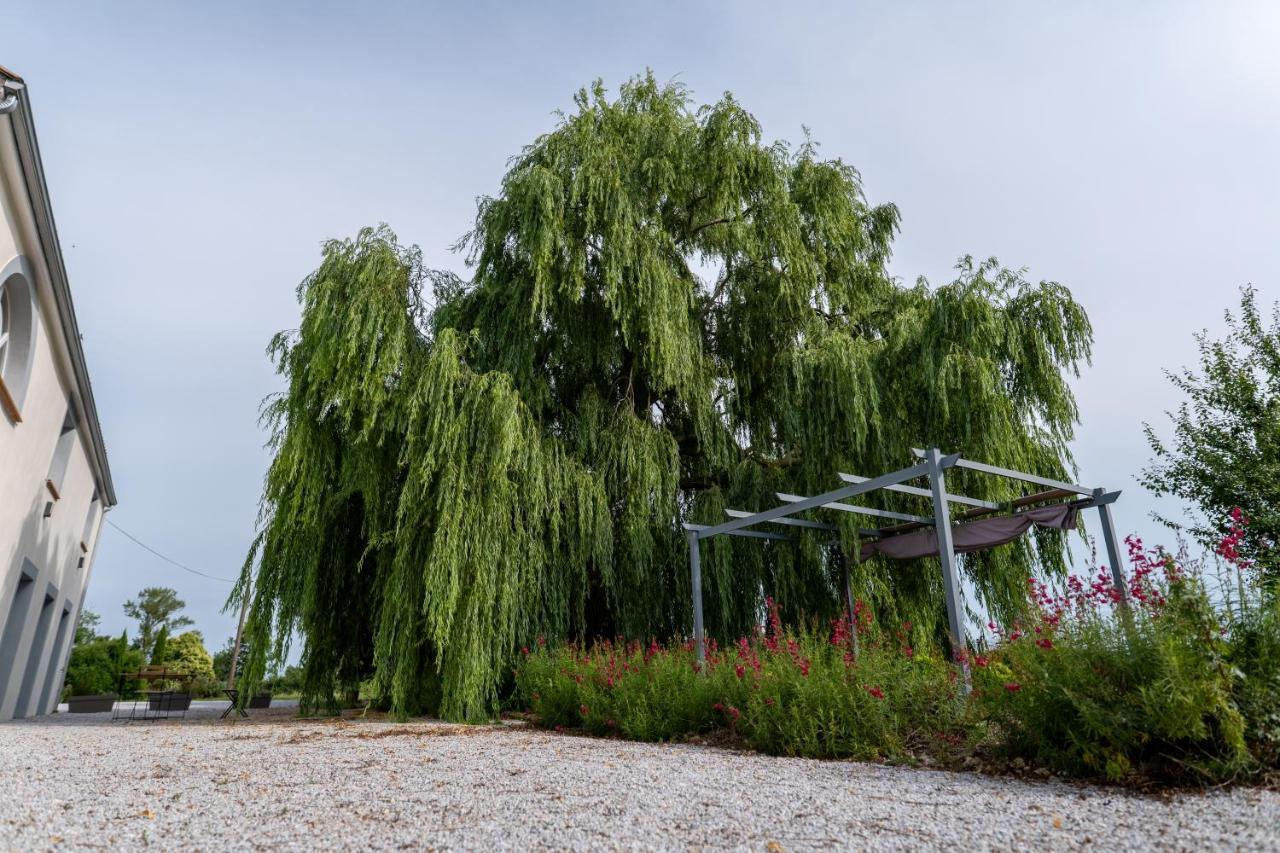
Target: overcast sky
(198, 156)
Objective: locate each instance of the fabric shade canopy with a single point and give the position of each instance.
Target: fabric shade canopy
(973, 536)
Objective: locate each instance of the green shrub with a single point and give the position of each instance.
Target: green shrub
(89, 670)
(1171, 686)
(95, 666)
(1254, 654)
(186, 653)
(783, 693)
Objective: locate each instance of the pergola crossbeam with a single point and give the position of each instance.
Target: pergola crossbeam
(817, 500)
(1015, 475)
(862, 510)
(924, 493)
(793, 522)
(751, 534)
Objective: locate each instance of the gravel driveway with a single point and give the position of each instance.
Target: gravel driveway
(275, 781)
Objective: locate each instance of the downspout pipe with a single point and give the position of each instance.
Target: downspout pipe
(9, 95)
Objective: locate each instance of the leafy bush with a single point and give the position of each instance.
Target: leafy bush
(1150, 687)
(186, 653)
(781, 692)
(288, 683)
(1255, 654)
(1178, 684)
(95, 666)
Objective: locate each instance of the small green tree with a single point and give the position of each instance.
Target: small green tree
(161, 647)
(222, 658)
(87, 627)
(155, 607)
(186, 653)
(1225, 450)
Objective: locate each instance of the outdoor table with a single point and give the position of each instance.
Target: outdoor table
(233, 695)
(162, 700)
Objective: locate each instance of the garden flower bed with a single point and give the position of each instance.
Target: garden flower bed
(1178, 686)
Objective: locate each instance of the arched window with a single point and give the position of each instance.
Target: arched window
(6, 318)
(5, 313)
(17, 334)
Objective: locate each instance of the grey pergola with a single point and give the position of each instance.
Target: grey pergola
(932, 468)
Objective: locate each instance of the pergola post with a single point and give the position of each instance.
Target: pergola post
(1113, 548)
(946, 554)
(695, 576)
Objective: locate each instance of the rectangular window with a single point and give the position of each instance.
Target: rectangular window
(90, 519)
(62, 455)
(35, 657)
(47, 702)
(14, 623)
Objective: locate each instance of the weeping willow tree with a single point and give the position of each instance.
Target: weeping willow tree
(667, 317)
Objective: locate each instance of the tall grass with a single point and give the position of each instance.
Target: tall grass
(782, 692)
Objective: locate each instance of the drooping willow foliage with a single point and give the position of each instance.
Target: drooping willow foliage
(667, 317)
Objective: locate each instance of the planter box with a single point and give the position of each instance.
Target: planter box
(260, 700)
(93, 704)
(171, 702)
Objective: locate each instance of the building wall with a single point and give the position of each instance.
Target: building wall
(43, 567)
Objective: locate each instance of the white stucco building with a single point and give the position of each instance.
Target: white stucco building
(54, 480)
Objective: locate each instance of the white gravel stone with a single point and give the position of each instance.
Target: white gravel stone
(278, 782)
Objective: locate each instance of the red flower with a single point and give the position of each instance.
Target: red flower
(1044, 643)
(583, 709)
(980, 661)
(1013, 687)
(740, 670)
(1229, 547)
(876, 692)
(524, 650)
(840, 630)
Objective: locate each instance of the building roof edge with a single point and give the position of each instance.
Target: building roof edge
(38, 192)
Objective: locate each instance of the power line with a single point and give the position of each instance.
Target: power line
(170, 560)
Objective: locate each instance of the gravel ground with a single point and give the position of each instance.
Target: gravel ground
(275, 781)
